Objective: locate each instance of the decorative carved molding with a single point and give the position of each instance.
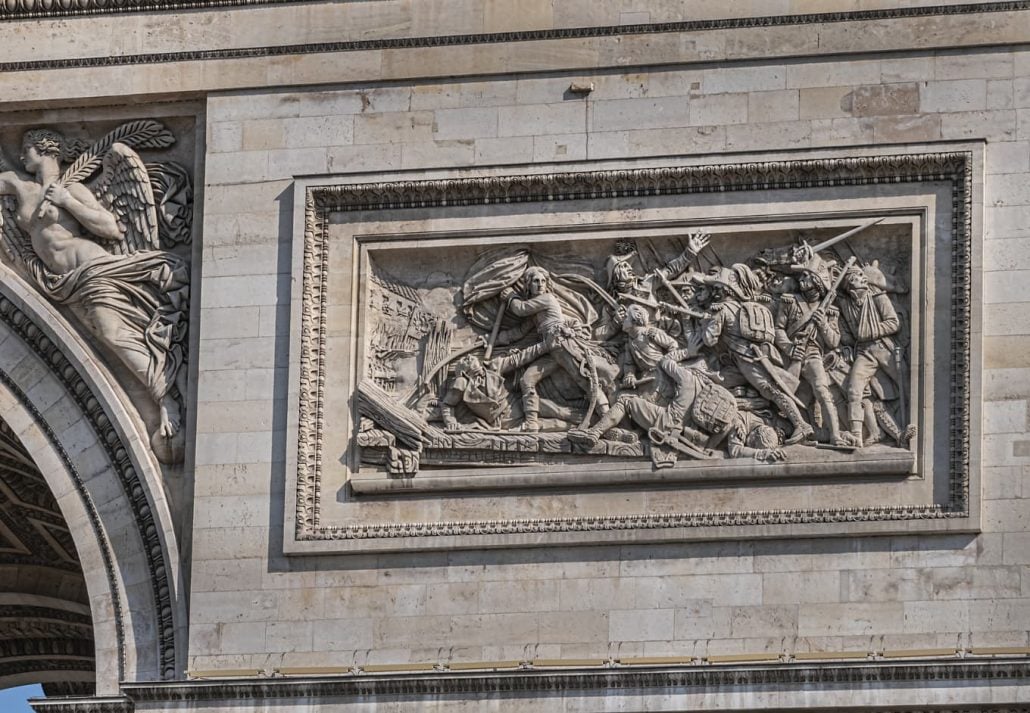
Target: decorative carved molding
(952, 168)
(85, 705)
(118, 455)
(712, 679)
(27, 9)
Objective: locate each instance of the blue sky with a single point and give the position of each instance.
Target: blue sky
(13, 700)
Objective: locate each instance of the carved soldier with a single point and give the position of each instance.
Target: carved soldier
(628, 287)
(563, 346)
(700, 417)
(644, 348)
(487, 397)
(871, 325)
(806, 332)
(747, 330)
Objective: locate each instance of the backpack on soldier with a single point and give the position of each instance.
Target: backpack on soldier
(756, 323)
(714, 409)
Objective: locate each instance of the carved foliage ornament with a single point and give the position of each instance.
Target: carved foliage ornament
(640, 353)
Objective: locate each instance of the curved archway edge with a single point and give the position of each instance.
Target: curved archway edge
(73, 420)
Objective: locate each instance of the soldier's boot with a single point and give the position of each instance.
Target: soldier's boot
(856, 432)
(829, 411)
(531, 411)
(802, 431)
(591, 436)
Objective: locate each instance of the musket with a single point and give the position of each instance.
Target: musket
(825, 301)
(682, 310)
(495, 331)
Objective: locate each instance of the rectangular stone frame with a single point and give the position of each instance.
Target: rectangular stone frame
(959, 166)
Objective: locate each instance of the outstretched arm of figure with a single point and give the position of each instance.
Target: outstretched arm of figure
(84, 207)
(678, 265)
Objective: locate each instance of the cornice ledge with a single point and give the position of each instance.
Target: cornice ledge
(710, 678)
(14, 10)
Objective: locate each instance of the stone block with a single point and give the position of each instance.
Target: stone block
(569, 627)
(393, 127)
(317, 131)
(244, 638)
(832, 74)
(342, 634)
(282, 637)
(794, 587)
(1006, 352)
(510, 149)
(744, 79)
(778, 135)
(850, 619)
(720, 109)
(463, 94)
(1005, 157)
(891, 129)
(228, 607)
(560, 147)
(534, 119)
(771, 621)
(883, 99)
(906, 69)
(465, 123)
(371, 601)
(643, 113)
(994, 125)
(1005, 416)
(640, 624)
(237, 167)
(773, 106)
(1003, 482)
(244, 510)
(960, 95)
(452, 598)
(263, 134)
(225, 136)
(519, 596)
(361, 159)
(284, 163)
(1000, 94)
(966, 65)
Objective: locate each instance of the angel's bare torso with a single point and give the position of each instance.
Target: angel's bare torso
(56, 235)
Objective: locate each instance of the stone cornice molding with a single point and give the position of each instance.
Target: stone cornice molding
(954, 168)
(36, 9)
(694, 679)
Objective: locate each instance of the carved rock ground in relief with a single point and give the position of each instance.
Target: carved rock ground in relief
(94, 227)
(651, 348)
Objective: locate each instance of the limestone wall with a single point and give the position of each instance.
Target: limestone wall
(849, 594)
(277, 120)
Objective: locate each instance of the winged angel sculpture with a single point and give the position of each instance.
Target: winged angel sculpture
(96, 248)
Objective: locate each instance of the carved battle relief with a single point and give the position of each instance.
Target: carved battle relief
(104, 232)
(635, 354)
(662, 349)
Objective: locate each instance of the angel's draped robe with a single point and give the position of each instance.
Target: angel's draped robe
(148, 292)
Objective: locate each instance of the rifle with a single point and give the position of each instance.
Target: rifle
(823, 303)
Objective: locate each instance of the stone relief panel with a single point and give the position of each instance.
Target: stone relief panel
(100, 220)
(666, 353)
(669, 348)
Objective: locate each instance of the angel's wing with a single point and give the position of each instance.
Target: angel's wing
(14, 242)
(124, 188)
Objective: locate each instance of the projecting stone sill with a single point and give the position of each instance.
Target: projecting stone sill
(802, 463)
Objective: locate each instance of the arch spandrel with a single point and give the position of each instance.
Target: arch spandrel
(80, 429)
